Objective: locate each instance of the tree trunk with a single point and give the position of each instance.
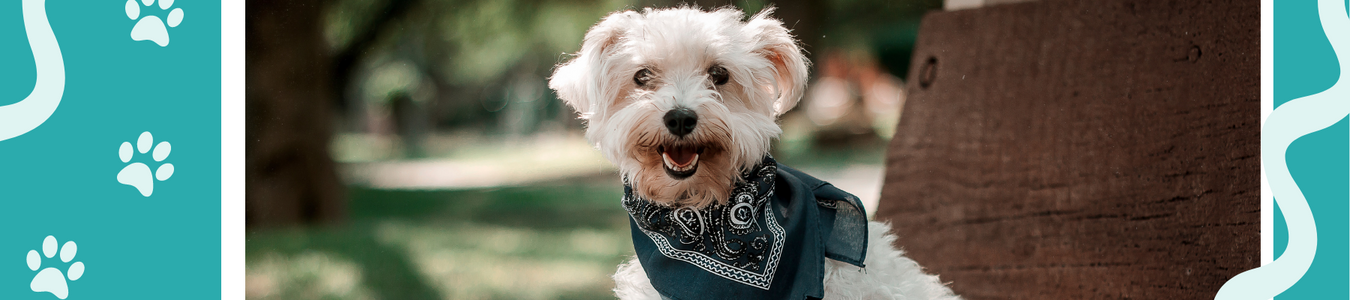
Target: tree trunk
(291, 178)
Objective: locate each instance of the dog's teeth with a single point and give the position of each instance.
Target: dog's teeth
(670, 163)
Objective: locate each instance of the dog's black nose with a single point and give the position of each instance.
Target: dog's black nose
(681, 121)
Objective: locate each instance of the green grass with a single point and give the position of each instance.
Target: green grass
(803, 154)
(550, 241)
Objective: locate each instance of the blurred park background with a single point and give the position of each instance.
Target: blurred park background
(411, 149)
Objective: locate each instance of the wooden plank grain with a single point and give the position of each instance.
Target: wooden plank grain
(1081, 149)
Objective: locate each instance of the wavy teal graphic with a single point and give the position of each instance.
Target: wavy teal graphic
(74, 168)
(24, 116)
(1285, 124)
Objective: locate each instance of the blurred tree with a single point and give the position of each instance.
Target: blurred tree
(466, 55)
(355, 47)
(290, 177)
(469, 53)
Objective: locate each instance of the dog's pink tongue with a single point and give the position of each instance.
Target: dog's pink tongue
(681, 156)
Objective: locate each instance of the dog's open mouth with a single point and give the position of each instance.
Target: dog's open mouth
(680, 161)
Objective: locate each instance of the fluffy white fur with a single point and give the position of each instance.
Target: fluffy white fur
(680, 48)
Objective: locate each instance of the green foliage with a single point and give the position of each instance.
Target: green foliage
(462, 55)
(472, 42)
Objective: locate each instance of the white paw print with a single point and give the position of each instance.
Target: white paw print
(138, 174)
(50, 279)
(151, 28)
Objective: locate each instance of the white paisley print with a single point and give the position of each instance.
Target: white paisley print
(741, 241)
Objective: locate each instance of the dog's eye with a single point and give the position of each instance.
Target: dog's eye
(719, 75)
(643, 77)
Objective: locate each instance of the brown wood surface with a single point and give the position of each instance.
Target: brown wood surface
(1081, 149)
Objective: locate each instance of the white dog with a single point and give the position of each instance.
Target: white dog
(684, 101)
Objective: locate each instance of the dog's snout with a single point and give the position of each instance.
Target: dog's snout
(681, 121)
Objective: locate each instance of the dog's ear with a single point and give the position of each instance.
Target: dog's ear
(581, 82)
(776, 44)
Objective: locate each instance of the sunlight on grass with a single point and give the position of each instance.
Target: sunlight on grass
(479, 262)
(458, 261)
(466, 161)
(311, 275)
(550, 241)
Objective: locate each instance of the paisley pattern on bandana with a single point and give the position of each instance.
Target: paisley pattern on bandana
(740, 241)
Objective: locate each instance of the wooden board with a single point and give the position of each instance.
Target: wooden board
(1082, 149)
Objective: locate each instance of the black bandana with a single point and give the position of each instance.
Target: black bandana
(768, 242)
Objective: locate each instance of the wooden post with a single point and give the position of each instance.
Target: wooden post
(1081, 149)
